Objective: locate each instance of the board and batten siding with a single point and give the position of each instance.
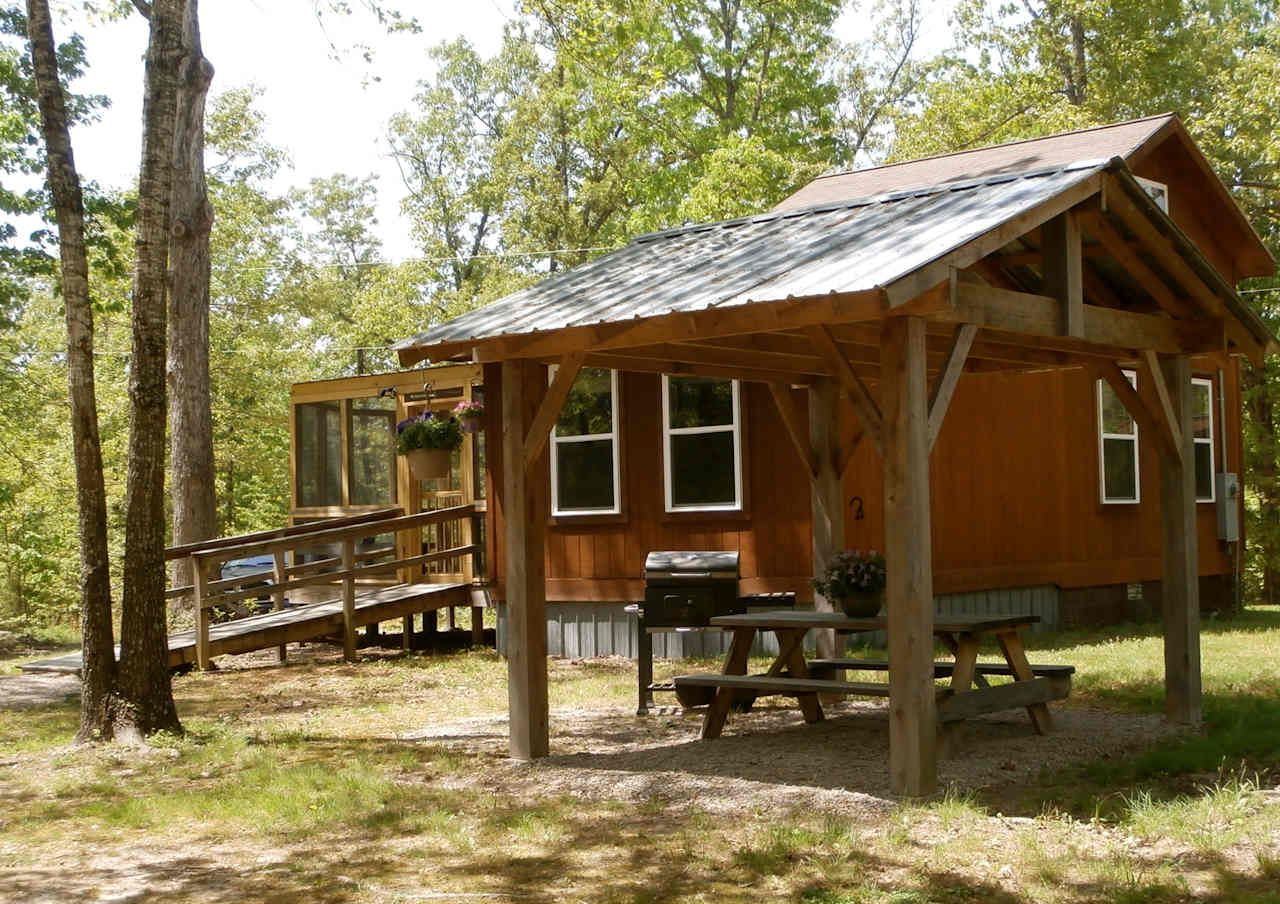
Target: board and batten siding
(586, 630)
(1016, 500)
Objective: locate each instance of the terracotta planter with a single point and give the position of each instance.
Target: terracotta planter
(429, 464)
(862, 605)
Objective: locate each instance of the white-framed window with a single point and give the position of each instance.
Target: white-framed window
(585, 471)
(702, 444)
(1202, 435)
(1117, 445)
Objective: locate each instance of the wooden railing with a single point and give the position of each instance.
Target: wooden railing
(353, 565)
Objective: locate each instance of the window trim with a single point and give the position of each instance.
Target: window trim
(1132, 377)
(735, 427)
(614, 438)
(1213, 465)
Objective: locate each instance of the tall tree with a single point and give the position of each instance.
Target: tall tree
(98, 668)
(685, 76)
(191, 474)
(144, 665)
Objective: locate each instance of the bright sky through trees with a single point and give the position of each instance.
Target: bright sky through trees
(329, 113)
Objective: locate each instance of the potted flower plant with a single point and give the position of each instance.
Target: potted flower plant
(427, 441)
(854, 582)
(469, 415)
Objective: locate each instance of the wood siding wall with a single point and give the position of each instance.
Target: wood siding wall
(1015, 496)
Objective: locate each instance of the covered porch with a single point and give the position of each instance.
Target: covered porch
(888, 302)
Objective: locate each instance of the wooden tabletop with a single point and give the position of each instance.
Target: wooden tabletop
(807, 618)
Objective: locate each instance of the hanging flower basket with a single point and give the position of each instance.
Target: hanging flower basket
(470, 416)
(429, 464)
(428, 441)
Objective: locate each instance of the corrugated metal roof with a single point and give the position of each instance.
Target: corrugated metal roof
(1117, 140)
(835, 248)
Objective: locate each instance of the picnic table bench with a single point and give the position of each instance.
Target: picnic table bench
(790, 675)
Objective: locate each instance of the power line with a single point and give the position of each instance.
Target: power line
(490, 255)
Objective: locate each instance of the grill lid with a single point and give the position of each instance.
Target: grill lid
(685, 565)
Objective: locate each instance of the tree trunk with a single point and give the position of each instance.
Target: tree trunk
(144, 655)
(191, 475)
(98, 668)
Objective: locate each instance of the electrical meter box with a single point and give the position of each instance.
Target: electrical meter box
(1227, 492)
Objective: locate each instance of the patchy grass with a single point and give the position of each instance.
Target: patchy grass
(300, 782)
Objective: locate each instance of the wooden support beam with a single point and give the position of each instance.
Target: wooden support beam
(826, 491)
(790, 415)
(549, 411)
(1166, 415)
(989, 242)
(1115, 334)
(909, 559)
(525, 511)
(1135, 404)
(945, 386)
(279, 574)
(624, 361)
(865, 406)
(349, 599)
(728, 320)
(800, 362)
(1117, 202)
(1063, 270)
(1180, 595)
(1128, 257)
(200, 577)
(1034, 258)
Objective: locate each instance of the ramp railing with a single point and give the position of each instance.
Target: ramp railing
(352, 564)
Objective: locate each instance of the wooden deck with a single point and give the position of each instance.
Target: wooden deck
(296, 623)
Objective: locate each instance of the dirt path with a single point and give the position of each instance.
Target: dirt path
(27, 691)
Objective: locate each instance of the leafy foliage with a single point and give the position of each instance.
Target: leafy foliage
(428, 431)
(851, 572)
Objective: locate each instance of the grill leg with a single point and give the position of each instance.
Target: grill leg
(644, 668)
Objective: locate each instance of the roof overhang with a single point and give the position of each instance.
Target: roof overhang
(688, 301)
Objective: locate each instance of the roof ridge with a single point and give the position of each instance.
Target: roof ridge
(898, 194)
(988, 147)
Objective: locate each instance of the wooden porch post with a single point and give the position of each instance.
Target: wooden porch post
(909, 557)
(524, 506)
(826, 491)
(1181, 585)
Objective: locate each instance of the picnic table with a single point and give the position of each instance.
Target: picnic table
(968, 694)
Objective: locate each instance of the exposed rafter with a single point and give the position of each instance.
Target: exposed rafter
(865, 406)
(549, 409)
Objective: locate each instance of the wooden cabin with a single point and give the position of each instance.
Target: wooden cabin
(1056, 513)
(1015, 370)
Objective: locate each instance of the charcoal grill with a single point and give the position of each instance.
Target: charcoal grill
(683, 591)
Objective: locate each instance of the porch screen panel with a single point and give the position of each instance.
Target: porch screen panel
(319, 451)
(373, 451)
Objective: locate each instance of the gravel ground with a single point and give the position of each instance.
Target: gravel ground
(771, 758)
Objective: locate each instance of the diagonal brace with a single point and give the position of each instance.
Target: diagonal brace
(540, 430)
(945, 388)
(865, 406)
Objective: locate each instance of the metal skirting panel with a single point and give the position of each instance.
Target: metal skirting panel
(588, 630)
